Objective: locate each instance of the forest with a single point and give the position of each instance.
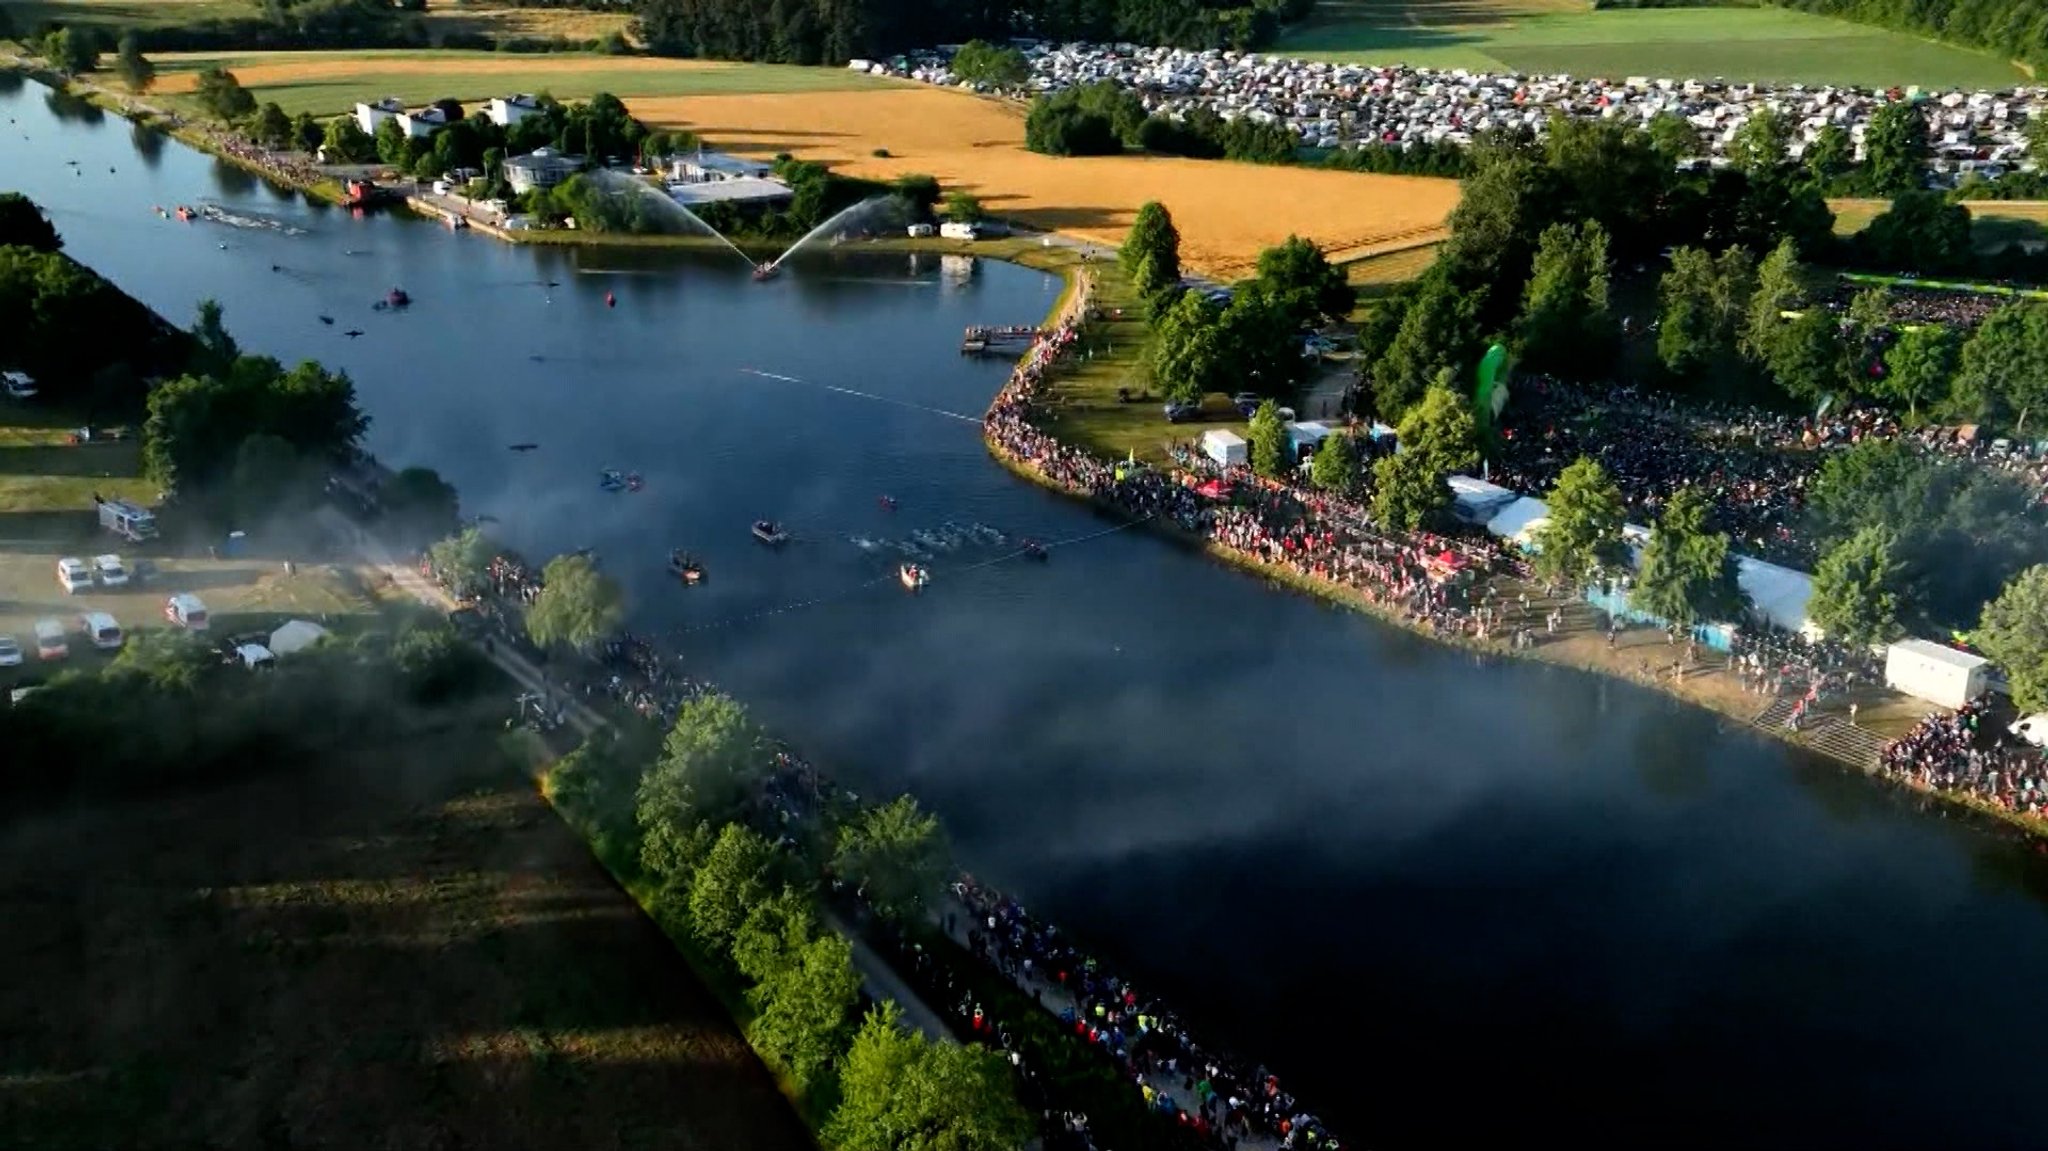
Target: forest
(834, 31)
(2014, 28)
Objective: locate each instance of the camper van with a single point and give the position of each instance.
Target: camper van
(102, 629)
(73, 576)
(186, 611)
(127, 520)
(108, 570)
(50, 640)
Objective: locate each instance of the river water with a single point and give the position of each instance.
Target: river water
(1447, 899)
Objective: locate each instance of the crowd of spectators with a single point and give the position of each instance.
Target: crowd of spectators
(1960, 311)
(1964, 753)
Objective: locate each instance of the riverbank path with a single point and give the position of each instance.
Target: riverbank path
(877, 978)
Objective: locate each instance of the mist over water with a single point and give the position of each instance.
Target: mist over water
(1449, 900)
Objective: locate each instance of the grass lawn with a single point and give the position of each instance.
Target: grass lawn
(396, 945)
(1762, 44)
(28, 14)
(327, 83)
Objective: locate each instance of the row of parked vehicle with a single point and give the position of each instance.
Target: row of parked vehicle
(74, 575)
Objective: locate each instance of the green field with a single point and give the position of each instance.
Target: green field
(331, 82)
(123, 13)
(1551, 36)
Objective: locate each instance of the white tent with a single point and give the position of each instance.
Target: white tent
(1779, 594)
(1476, 501)
(295, 636)
(1518, 519)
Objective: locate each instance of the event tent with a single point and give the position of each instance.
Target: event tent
(1779, 594)
(296, 636)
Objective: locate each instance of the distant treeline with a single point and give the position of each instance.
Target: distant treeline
(2017, 29)
(317, 24)
(834, 31)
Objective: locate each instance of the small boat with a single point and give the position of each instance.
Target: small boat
(610, 480)
(397, 298)
(913, 576)
(633, 482)
(684, 567)
(524, 447)
(888, 503)
(764, 271)
(769, 532)
(1033, 550)
(328, 320)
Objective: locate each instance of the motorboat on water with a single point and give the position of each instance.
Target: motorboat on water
(888, 503)
(1033, 550)
(610, 480)
(394, 299)
(684, 567)
(764, 271)
(913, 576)
(769, 532)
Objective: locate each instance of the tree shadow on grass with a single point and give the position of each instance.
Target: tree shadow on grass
(108, 460)
(42, 530)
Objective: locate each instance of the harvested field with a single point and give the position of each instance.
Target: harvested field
(400, 947)
(502, 23)
(1226, 212)
(330, 83)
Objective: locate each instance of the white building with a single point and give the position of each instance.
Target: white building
(702, 167)
(506, 111)
(423, 123)
(703, 177)
(368, 116)
(544, 168)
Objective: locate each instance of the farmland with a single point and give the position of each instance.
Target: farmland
(396, 946)
(1758, 44)
(1994, 222)
(484, 18)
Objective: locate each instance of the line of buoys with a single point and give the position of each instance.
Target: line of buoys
(916, 407)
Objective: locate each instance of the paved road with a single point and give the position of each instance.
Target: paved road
(877, 977)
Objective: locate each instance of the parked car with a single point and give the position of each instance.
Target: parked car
(51, 642)
(102, 629)
(108, 570)
(10, 651)
(1181, 413)
(73, 576)
(1247, 403)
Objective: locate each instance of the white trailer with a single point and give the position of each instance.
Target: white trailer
(953, 230)
(1225, 447)
(127, 520)
(1940, 675)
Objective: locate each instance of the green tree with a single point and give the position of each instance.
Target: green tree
(1690, 333)
(1674, 137)
(1298, 277)
(2014, 634)
(135, 69)
(1565, 327)
(896, 856)
(1258, 345)
(23, 224)
(1336, 465)
(1436, 334)
(1780, 288)
(420, 505)
(1759, 145)
(215, 349)
(1583, 532)
(1920, 232)
(1688, 573)
(979, 62)
(1806, 358)
(1918, 368)
(917, 192)
(345, 142)
(1151, 251)
(391, 140)
(712, 761)
(1187, 352)
(70, 52)
(899, 1091)
(271, 127)
(803, 1010)
(1895, 148)
(577, 606)
(962, 208)
(1854, 598)
(2004, 374)
(268, 477)
(307, 135)
(1830, 157)
(774, 934)
(1268, 441)
(464, 560)
(1437, 438)
(737, 874)
(222, 94)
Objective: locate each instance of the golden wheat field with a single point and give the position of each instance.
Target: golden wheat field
(1226, 212)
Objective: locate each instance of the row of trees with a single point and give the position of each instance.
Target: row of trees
(834, 31)
(680, 822)
(1105, 118)
(2011, 28)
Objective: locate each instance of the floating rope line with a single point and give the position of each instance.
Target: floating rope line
(951, 415)
(891, 577)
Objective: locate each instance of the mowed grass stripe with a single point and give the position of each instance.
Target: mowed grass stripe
(1740, 43)
(326, 83)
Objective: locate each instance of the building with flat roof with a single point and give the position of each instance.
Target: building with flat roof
(506, 111)
(368, 116)
(703, 166)
(735, 191)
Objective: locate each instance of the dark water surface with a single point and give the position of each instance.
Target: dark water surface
(1449, 901)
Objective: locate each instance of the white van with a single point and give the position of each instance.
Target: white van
(186, 611)
(73, 576)
(108, 570)
(102, 629)
(51, 643)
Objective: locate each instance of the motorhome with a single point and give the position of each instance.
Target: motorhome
(73, 576)
(127, 520)
(102, 629)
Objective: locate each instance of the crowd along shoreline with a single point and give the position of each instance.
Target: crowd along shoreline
(1682, 688)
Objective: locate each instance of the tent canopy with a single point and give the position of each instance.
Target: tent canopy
(1779, 594)
(1518, 518)
(296, 635)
